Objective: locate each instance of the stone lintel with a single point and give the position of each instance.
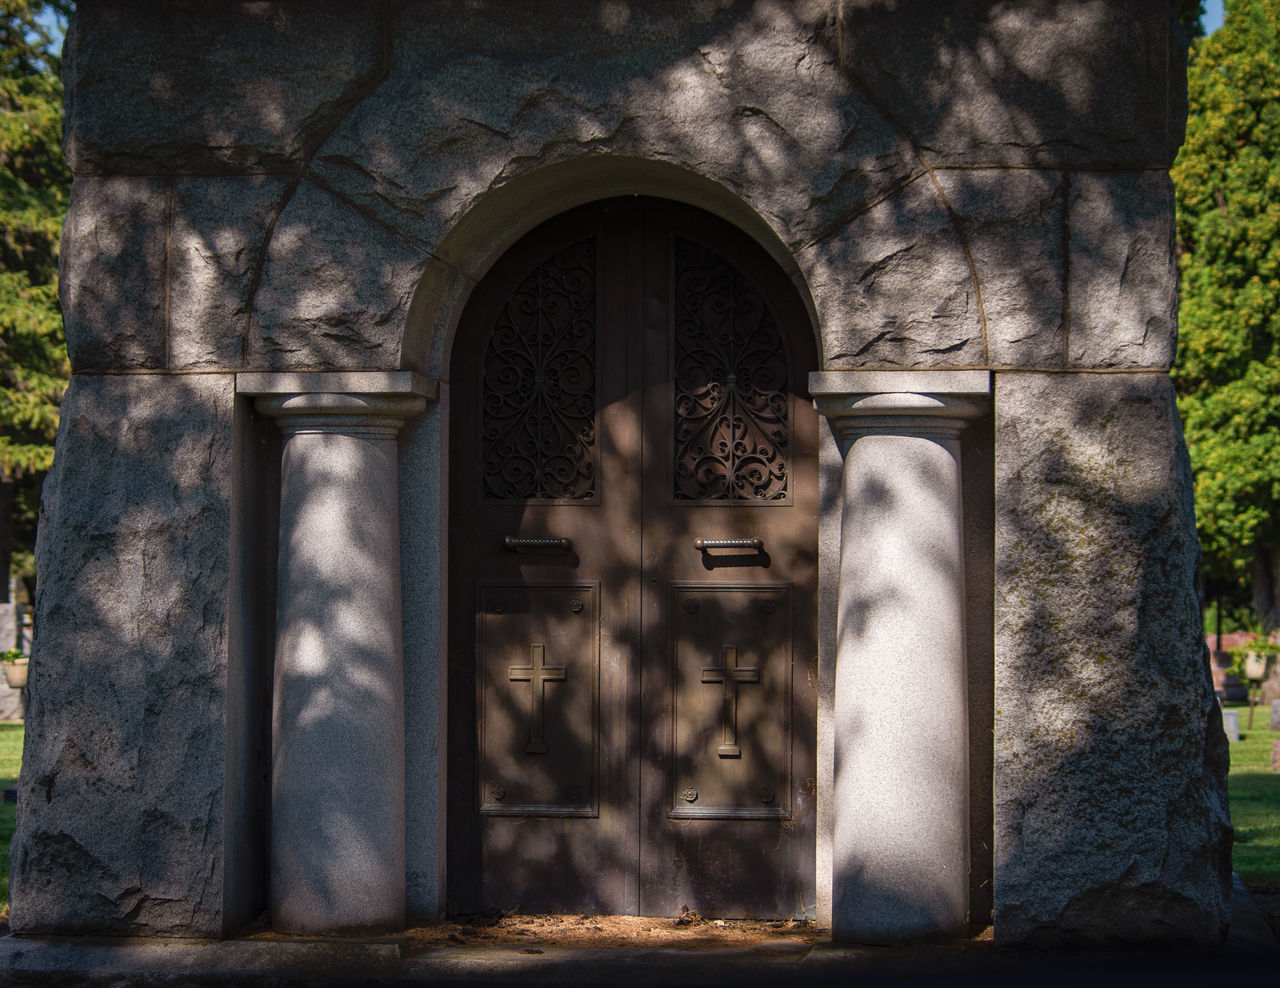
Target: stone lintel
(343, 413)
(908, 402)
(266, 383)
(851, 383)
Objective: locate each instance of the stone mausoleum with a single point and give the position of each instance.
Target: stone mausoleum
(617, 455)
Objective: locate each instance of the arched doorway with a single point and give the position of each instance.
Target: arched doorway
(633, 574)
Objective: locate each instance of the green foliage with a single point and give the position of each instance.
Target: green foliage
(1234, 618)
(1228, 370)
(1241, 653)
(8, 824)
(34, 186)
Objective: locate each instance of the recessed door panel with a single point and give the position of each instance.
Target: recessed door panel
(538, 715)
(632, 575)
(731, 702)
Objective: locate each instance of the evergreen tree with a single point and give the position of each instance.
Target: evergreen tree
(1227, 178)
(34, 185)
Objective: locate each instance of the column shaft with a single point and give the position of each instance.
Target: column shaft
(901, 723)
(900, 841)
(337, 787)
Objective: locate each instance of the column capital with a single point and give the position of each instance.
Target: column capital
(346, 414)
(369, 403)
(929, 402)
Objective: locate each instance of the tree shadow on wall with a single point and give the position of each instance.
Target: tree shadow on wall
(121, 804)
(843, 169)
(959, 184)
(1110, 757)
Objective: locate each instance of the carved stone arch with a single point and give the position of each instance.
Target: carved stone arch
(503, 216)
(457, 264)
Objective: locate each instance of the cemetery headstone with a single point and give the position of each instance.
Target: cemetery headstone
(1231, 724)
(9, 625)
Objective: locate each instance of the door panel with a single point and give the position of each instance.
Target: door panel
(540, 518)
(729, 458)
(631, 716)
(538, 649)
(731, 702)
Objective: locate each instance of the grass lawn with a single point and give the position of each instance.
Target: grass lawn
(1255, 801)
(10, 762)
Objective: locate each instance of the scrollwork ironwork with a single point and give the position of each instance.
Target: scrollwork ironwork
(732, 432)
(539, 388)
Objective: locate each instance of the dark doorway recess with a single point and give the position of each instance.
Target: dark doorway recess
(633, 574)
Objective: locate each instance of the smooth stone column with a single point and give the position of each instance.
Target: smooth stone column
(901, 800)
(337, 786)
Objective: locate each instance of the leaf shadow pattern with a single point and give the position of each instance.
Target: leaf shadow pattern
(658, 710)
(884, 173)
(129, 672)
(1110, 759)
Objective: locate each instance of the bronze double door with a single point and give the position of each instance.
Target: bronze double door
(632, 575)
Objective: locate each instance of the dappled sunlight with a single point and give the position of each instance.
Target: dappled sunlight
(897, 492)
(984, 83)
(671, 763)
(134, 504)
(797, 127)
(1104, 715)
(942, 185)
(816, 123)
(331, 282)
(237, 88)
(338, 729)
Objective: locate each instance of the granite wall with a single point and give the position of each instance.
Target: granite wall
(317, 185)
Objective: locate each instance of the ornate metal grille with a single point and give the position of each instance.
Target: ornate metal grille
(539, 392)
(731, 411)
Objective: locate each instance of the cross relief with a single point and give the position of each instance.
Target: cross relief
(730, 675)
(537, 673)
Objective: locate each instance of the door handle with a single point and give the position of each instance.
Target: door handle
(702, 545)
(513, 544)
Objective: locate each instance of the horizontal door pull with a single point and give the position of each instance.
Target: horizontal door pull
(514, 544)
(702, 545)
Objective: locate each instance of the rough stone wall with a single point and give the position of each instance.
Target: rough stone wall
(1110, 761)
(950, 178)
(262, 185)
(120, 826)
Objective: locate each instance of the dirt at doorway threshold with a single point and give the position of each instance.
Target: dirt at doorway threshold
(532, 933)
(645, 932)
(516, 929)
(688, 930)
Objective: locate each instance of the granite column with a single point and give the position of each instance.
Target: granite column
(900, 841)
(337, 785)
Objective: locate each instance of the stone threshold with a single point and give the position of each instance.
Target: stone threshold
(277, 960)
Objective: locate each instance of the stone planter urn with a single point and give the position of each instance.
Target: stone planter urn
(15, 673)
(1257, 665)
